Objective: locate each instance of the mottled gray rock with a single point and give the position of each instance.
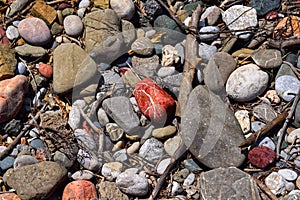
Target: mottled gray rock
(111, 170)
(86, 140)
(89, 160)
(12, 32)
(128, 32)
(36, 181)
(166, 71)
(124, 8)
(173, 82)
(264, 112)
(146, 66)
(213, 33)
(172, 144)
(267, 58)
(205, 51)
(152, 150)
(110, 190)
(110, 77)
(227, 183)
(73, 25)
(23, 160)
(15, 7)
(263, 7)
(142, 46)
(211, 15)
(287, 86)
(161, 167)
(210, 130)
(63, 159)
(132, 184)
(74, 114)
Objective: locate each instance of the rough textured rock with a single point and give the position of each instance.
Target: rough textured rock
(8, 62)
(227, 183)
(287, 27)
(31, 51)
(9, 196)
(146, 66)
(263, 7)
(44, 12)
(267, 58)
(211, 131)
(124, 8)
(142, 46)
(110, 190)
(37, 181)
(261, 156)
(132, 184)
(80, 189)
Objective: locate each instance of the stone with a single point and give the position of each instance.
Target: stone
(128, 32)
(246, 83)
(142, 46)
(192, 166)
(275, 183)
(152, 150)
(12, 32)
(180, 49)
(63, 159)
(164, 133)
(21, 69)
(166, 71)
(23, 160)
(244, 120)
(162, 166)
(288, 174)
(217, 71)
(56, 28)
(239, 17)
(85, 139)
(267, 58)
(132, 184)
(189, 180)
(13, 127)
(267, 142)
(125, 9)
(73, 25)
(153, 101)
(8, 62)
(80, 189)
(104, 4)
(109, 190)
(263, 7)
(120, 110)
(30, 51)
(272, 96)
(287, 27)
(173, 83)
(285, 69)
(88, 160)
(292, 136)
(46, 70)
(214, 33)
(257, 125)
(102, 117)
(4, 40)
(77, 64)
(170, 56)
(9, 196)
(211, 15)
(121, 155)
(111, 170)
(152, 8)
(261, 156)
(75, 119)
(175, 187)
(287, 86)
(172, 144)
(164, 21)
(205, 51)
(146, 66)
(84, 4)
(6, 163)
(37, 143)
(12, 93)
(44, 177)
(114, 131)
(15, 7)
(216, 133)
(35, 31)
(43, 11)
(289, 186)
(264, 112)
(297, 116)
(83, 175)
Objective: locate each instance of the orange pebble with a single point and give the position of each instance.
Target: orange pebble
(46, 70)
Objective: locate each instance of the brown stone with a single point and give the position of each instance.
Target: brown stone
(101, 4)
(80, 189)
(8, 62)
(9, 196)
(43, 11)
(287, 27)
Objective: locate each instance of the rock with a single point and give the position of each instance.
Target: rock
(238, 184)
(120, 110)
(73, 25)
(206, 51)
(297, 116)
(74, 114)
(240, 17)
(216, 143)
(121, 155)
(85, 139)
(8, 62)
(287, 27)
(165, 132)
(173, 82)
(21, 69)
(288, 174)
(180, 49)
(114, 131)
(192, 166)
(146, 66)
(152, 150)
(211, 15)
(132, 184)
(295, 134)
(261, 156)
(164, 21)
(9, 196)
(172, 144)
(153, 101)
(109, 78)
(102, 117)
(170, 56)
(56, 28)
(84, 4)
(162, 166)
(63, 159)
(268, 142)
(15, 7)
(104, 4)
(272, 96)
(287, 86)
(285, 69)
(30, 51)
(209, 37)
(23, 160)
(267, 58)
(125, 9)
(189, 180)
(152, 8)
(43, 11)
(111, 170)
(246, 83)
(275, 183)
(289, 186)
(257, 125)
(175, 187)
(217, 71)
(6, 163)
(12, 93)
(88, 160)
(12, 32)
(109, 190)
(35, 31)
(264, 112)
(77, 64)
(244, 120)
(166, 71)
(80, 189)
(46, 70)
(263, 7)
(37, 143)
(83, 175)
(44, 178)
(142, 46)
(128, 32)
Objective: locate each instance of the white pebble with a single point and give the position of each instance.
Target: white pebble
(163, 165)
(275, 183)
(189, 179)
(84, 4)
(267, 142)
(288, 174)
(12, 32)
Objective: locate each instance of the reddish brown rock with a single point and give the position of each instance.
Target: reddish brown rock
(261, 156)
(11, 96)
(9, 196)
(153, 101)
(287, 27)
(43, 11)
(46, 70)
(3, 38)
(78, 190)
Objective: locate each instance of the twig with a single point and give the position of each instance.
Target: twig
(287, 120)
(285, 43)
(265, 189)
(21, 134)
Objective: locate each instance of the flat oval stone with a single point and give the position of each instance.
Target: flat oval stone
(165, 132)
(35, 31)
(267, 58)
(83, 175)
(12, 32)
(73, 25)
(142, 46)
(211, 36)
(244, 120)
(132, 184)
(30, 51)
(23, 160)
(246, 83)
(46, 70)
(288, 174)
(287, 84)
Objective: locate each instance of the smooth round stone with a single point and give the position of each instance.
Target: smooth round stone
(246, 83)
(84, 3)
(166, 71)
(111, 170)
(125, 9)
(288, 174)
(261, 156)
(209, 37)
(37, 143)
(35, 31)
(82, 175)
(275, 183)
(293, 135)
(21, 68)
(132, 184)
(189, 179)
(165, 132)
(257, 125)
(133, 148)
(120, 155)
(81, 12)
(142, 46)
(152, 150)
(268, 142)
(114, 131)
(46, 70)
(73, 25)
(162, 166)
(12, 32)
(289, 186)
(102, 117)
(285, 85)
(264, 112)
(6, 163)
(267, 58)
(23, 160)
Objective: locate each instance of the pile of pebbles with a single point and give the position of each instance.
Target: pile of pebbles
(107, 74)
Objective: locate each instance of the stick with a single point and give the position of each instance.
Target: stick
(285, 43)
(264, 188)
(21, 134)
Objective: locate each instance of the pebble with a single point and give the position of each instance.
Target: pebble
(166, 71)
(63, 159)
(170, 56)
(88, 161)
(268, 142)
(192, 166)
(152, 150)
(85, 139)
(244, 120)
(285, 85)
(142, 46)
(46, 70)
(84, 3)
(275, 183)
(73, 25)
(295, 134)
(267, 58)
(189, 180)
(165, 132)
(30, 51)
(109, 190)
(289, 186)
(9, 196)
(288, 174)
(132, 184)
(125, 9)
(263, 7)
(175, 187)
(172, 144)
(83, 175)
(6, 163)
(246, 83)
(133, 148)
(209, 37)
(285, 69)
(80, 189)
(34, 132)
(23, 160)
(206, 51)
(162, 166)
(12, 32)
(257, 125)
(102, 117)
(272, 96)
(121, 155)
(146, 66)
(15, 7)
(181, 175)
(35, 31)
(21, 69)
(37, 143)
(211, 15)
(261, 156)
(111, 170)
(264, 112)
(81, 12)
(114, 131)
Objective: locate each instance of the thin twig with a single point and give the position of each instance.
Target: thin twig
(265, 189)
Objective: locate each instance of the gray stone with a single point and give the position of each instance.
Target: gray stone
(102, 117)
(211, 15)
(114, 131)
(125, 9)
(56, 28)
(191, 166)
(211, 36)
(84, 3)
(109, 190)
(86, 140)
(162, 166)
(146, 66)
(164, 21)
(15, 7)
(128, 32)
(165, 132)
(111, 170)
(287, 86)
(172, 144)
(264, 112)
(63, 160)
(275, 183)
(120, 110)
(142, 46)
(257, 125)
(152, 150)
(23, 160)
(189, 180)
(206, 51)
(12, 32)
(173, 82)
(285, 70)
(246, 83)
(267, 58)
(121, 155)
(227, 183)
(72, 60)
(75, 118)
(44, 178)
(73, 25)
(108, 78)
(181, 175)
(13, 127)
(132, 184)
(36, 143)
(166, 71)
(30, 51)
(6, 163)
(21, 68)
(210, 130)
(267, 142)
(83, 175)
(180, 49)
(265, 6)
(288, 174)
(88, 160)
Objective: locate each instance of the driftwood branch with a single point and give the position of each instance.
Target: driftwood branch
(285, 43)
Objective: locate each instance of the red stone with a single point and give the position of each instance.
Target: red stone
(9, 196)
(3, 38)
(272, 15)
(12, 93)
(261, 156)
(79, 190)
(46, 70)
(153, 101)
